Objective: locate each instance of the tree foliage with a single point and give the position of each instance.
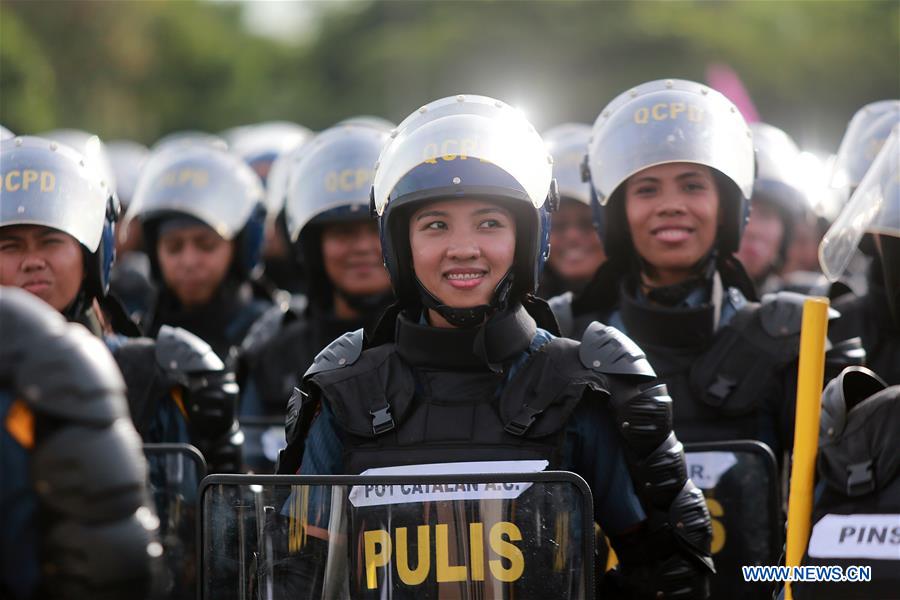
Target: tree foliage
(141, 69)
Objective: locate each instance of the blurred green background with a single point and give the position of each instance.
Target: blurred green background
(141, 69)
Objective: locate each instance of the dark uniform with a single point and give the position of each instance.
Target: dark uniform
(728, 361)
(497, 386)
(74, 511)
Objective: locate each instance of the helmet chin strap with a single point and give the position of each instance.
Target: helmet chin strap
(475, 315)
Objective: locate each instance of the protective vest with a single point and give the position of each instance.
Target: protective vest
(281, 346)
(723, 379)
(856, 518)
(431, 395)
(421, 406)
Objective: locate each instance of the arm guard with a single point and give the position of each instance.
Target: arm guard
(98, 529)
(210, 395)
(670, 556)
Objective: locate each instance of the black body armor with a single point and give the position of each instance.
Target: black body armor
(97, 526)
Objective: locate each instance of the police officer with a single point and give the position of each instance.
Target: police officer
(57, 231)
(777, 203)
(202, 215)
(671, 164)
(328, 223)
(74, 510)
(871, 218)
(856, 517)
(459, 368)
(576, 248)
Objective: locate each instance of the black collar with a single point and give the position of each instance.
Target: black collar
(493, 345)
(651, 324)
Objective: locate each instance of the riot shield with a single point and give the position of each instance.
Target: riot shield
(525, 535)
(175, 472)
(263, 438)
(740, 482)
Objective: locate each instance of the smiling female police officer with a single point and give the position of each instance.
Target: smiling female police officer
(577, 248)
(57, 232)
(459, 370)
(328, 223)
(672, 166)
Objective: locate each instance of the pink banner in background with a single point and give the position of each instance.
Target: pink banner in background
(723, 78)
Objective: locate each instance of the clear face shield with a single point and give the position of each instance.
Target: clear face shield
(669, 121)
(866, 133)
(568, 145)
(211, 185)
(335, 170)
(50, 184)
(873, 208)
(459, 129)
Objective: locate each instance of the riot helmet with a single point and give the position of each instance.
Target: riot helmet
(567, 144)
(465, 147)
(210, 185)
(126, 158)
(670, 121)
(874, 208)
(50, 184)
(91, 147)
(866, 133)
(261, 144)
(329, 182)
(777, 188)
(5, 133)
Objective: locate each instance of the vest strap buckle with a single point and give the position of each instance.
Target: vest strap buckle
(382, 421)
(522, 421)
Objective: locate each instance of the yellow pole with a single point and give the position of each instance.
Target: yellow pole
(806, 429)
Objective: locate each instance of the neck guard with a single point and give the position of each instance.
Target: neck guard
(495, 343)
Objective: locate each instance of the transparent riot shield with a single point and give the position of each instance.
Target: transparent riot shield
(175, 472)
(263, 438)
(740, 482)
(526, 535)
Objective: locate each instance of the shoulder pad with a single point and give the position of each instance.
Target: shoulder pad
(264, 329)
(781, 313)
(340, 353)
(59, 369)
(562, 309)
(179, 353)
(608, 350)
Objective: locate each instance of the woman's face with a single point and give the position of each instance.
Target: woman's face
(351, 253)
(194, 261)
(461, 249)
(576, 251)
(673, 215)
(44, 261)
